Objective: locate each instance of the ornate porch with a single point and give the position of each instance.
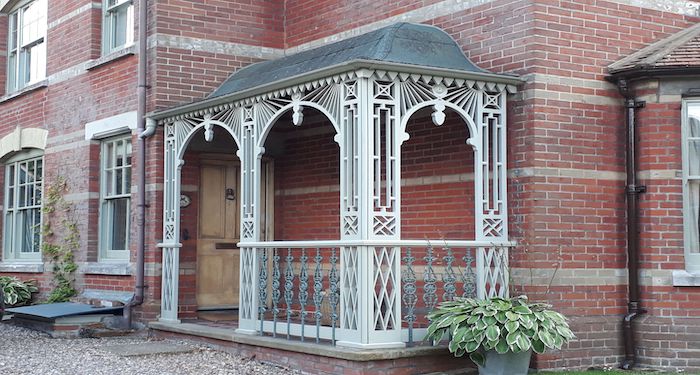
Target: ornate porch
(371, 285)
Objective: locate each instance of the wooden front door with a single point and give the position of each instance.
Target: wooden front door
(218, 257)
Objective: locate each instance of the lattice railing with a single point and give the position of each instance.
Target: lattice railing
(312, 290)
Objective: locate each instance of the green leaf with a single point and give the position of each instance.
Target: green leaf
(501, 317)
(490, 320)
(522, 309)
(546, 338)
(473, 319)
(512, 326)
(538, 346)
(492, 333)
(512, 316)
(512, 337)
(472, 346)
(523, 343)
(565, 332)
(478, 358)
(502, 346)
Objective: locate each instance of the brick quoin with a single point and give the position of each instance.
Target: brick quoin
(565, 139)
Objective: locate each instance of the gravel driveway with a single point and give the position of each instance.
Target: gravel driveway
(24, 351)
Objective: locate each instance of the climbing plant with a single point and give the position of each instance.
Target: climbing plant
(61, 240)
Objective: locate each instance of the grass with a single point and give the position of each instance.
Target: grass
(610, 372)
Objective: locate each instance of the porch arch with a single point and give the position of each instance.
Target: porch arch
(203, 125)
(471, 127)
(273, 120)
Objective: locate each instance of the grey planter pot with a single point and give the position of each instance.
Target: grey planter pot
(506, 364)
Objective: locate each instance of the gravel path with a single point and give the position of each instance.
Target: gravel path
(24, 351)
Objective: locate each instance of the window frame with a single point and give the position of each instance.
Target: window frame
(22, 51)
(105, 227)
(10, 247)
(109, 25)
(692, 259)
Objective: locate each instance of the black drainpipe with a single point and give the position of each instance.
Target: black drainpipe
(141, 171)
(632, 191)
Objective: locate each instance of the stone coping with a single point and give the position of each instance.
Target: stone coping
(307, 347)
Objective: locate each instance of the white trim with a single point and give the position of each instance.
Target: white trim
(21, 139)
(110, 126)
(106, 254)
(692, 258)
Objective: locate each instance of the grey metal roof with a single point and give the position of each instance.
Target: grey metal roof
(402, 43)
(57, 310)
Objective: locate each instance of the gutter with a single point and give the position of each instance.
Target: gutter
(143, 132)
(632, 191)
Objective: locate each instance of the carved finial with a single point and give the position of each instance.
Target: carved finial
(208, 131)
(297, 116)
(439, 114)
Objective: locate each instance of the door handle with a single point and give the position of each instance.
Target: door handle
(230, 194)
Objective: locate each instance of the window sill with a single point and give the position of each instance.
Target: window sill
(104, 268)
(24, 90)
(112, 56)
(22, 267)
(685, 278)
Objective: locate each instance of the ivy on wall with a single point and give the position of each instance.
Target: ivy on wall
(61, 240)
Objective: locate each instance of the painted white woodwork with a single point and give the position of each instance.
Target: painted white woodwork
(369, 110)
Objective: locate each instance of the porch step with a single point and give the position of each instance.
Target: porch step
(320, 358)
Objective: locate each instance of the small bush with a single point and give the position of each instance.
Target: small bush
(17, 292)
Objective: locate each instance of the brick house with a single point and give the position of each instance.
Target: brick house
(262, 192)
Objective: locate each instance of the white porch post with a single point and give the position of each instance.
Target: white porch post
(171, 227)
(249, 154)
(372, 317)
(490, 179)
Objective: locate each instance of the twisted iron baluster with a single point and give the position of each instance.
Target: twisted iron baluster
(333, 298)
(303, 289)
(288, 285)
(429, 288)
(276, 294)
(262, 292)
(318, 292)
(449, 277)
(409, 293)
(468, 277)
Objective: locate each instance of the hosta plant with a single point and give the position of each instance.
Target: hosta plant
(16, 291)
(500, 324)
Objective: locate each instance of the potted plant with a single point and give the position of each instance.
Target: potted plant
(499, 334)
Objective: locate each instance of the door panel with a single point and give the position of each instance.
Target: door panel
(218, 258)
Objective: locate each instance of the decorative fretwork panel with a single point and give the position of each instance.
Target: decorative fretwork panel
(349, 288)
(386, 288)
(169, 288)
(492, 272)
(248, 284)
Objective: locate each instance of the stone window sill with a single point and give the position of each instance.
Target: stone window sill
(685, 278)
(104, 268)
(24, 90)
(22, 267)
(108, 58)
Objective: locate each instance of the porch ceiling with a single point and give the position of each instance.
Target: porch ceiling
(401, 47)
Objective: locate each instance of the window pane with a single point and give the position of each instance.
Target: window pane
(37, 63)
(118, 184)
(13, 31)
(119, 221)
(120, 22)
(694, 214)
(29, 225)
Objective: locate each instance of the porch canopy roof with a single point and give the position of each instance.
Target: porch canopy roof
(401, 47)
